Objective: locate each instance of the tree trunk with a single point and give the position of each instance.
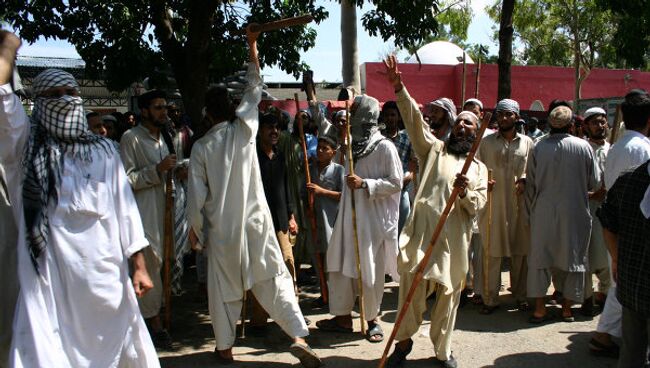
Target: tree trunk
(505, 49)
(350, 52)
(189, 62)
(577, 57)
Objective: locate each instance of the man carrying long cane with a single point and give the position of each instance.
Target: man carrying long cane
(228, 214)
(440, 163)
(376, 182)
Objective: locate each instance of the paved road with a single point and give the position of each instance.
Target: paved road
(502, 340)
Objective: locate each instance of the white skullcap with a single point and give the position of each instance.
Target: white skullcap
(594, 111)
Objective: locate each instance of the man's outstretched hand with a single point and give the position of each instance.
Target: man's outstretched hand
(393, 75)
(251, 38)
(9, 44)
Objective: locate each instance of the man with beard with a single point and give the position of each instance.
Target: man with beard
(147, 158)
(441, 115)
(376, 183)
(77, 227)
(506, 153)
(392, 121)
(440, 166)
(595, 124)
(561, 171)
(229, 216)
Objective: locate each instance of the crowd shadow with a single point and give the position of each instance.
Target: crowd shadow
(576, 356)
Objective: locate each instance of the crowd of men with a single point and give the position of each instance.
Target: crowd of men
(85, 201)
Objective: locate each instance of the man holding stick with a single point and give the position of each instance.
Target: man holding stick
(506, 153)
(440, 163)
(229, 215)
(146, 151)
(375, 184)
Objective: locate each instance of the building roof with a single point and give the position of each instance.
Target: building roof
(30, 66)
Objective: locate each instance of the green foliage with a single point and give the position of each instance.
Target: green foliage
(116, 37)
(548, 29)
(632, 38)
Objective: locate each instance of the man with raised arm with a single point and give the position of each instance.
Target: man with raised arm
(440, 165)
(78, 226)
(229, 216)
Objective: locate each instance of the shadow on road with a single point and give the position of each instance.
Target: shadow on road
(577, 356)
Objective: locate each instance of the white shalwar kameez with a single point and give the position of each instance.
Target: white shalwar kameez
(227, 210)
(377, 212)
(81, 310)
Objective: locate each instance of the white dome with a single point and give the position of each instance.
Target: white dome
(440, 53)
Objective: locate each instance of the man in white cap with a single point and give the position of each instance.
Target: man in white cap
(506, 153)
(560, 173)
(440, 163)
(78, 227)
(377, 182)
(595, 126)
(440, 115)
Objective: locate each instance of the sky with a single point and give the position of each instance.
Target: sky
(325, 58)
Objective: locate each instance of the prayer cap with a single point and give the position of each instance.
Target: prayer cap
(508, 105)
(474, 101)
(560, 117)
(51, 78)
(594, 111)
(468, 115)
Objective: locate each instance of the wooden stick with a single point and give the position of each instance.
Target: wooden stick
(617, 122)
(486, 250)
(243, 314)
(277, 24)
(168, 249)
(362, 308)
(310, 208)
(419, 274)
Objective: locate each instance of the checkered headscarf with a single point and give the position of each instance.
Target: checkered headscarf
(508, 105)
(58, 127)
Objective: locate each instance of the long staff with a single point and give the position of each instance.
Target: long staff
(613, 136)
(310, 208)
(168, 248)
(419, 274)
(362, 308)
(486, 251)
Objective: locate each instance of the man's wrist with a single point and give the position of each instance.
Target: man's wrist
(399, 87)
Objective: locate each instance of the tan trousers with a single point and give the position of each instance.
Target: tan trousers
(604, 281)
(151, 302)
(518, 278)
(443, 313)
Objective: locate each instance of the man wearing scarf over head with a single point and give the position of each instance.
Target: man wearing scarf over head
(440, 165)
(78, 226)
(376, 183)
(441, 115)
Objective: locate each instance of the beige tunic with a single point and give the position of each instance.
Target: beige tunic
(510, 234)
(141, 152)
(438, 169)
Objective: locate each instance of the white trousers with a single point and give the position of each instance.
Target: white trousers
(611, 320)
(275, 295)
(343, 291)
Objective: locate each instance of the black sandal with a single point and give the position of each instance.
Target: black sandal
(330, 325)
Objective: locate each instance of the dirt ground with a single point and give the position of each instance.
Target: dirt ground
(504, 339)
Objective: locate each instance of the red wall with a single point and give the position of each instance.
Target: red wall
(529, 83)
